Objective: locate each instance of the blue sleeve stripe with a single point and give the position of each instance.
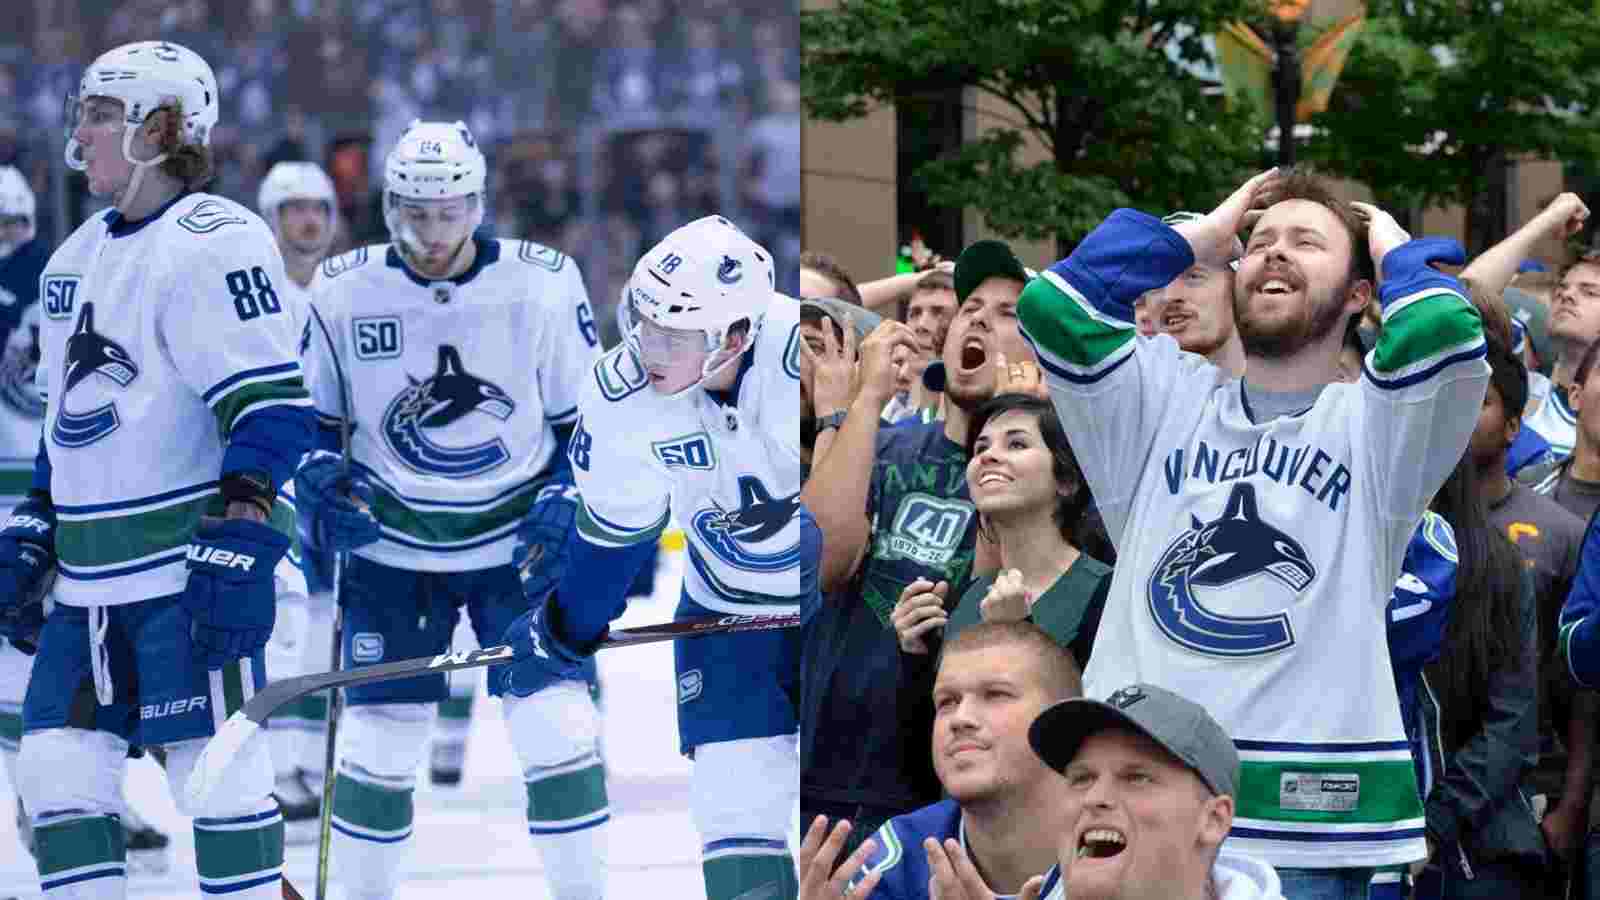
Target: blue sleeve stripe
(264, 373)
(1477, 351)
(1050, 364)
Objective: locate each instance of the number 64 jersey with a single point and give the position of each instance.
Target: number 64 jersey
(729, 473)
(157, 338)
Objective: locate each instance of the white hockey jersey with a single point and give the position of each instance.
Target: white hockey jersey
(1549, 415)
(1256, 559)
(157, 337)
(454, 388)
(731, 475)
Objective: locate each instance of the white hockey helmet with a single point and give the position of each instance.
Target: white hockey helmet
(16, 203)
(706, 276)
(433, 161)
(146, 76)
(287, 181)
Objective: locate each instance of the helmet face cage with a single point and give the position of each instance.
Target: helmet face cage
(144, 77)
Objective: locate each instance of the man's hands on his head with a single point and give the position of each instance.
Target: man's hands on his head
(819, 879)
(877, 359)
(1383, 233)
(1212, 237)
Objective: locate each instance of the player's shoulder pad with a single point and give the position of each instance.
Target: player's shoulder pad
(617, 376)
(215, 218)
(535, 254)
(334, 266)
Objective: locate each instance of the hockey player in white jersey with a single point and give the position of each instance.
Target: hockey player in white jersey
(463, 356)
(297, 201)
(697, 416)
(174, 411)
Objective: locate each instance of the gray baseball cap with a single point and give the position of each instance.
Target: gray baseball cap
(1182, 727)
(843, 311)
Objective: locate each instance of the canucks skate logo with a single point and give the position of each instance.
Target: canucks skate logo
(437, 402)
(1231, 550)
(89, 353)
(727, 533)
(728, 271)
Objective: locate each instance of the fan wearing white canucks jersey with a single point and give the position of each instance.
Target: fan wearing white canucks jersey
(174, 411)
(1262, 522)
(297, 201)
(463, 357)
(697, 415)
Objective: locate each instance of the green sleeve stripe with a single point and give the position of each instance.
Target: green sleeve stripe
(1061, 323)
(1421, 330)
(597, 532)
(251, 396)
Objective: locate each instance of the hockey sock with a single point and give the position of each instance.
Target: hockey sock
(372, 824)
(80, 857)
(567, 812)
(241, 856)
(748, 867)
(10, 740)
(449, 751)
(312, 751)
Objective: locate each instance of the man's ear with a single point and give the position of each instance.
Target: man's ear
(1216, 819)
(1574, 399)
(1513, 428)
(1362, 294)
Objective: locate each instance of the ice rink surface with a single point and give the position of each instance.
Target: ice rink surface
(473, 837)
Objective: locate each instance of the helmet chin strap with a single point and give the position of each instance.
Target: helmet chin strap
(139, 168)
(707, 370)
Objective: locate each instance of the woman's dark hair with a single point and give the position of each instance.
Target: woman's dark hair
(1484, 635)
(1069, 507)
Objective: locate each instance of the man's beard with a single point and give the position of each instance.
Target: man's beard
(1287, 338)
(968, 399)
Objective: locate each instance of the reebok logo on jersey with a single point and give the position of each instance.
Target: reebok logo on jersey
(171, 707)
(32, 523)
(224, 559)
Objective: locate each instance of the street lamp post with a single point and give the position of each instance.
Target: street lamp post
(1286, 16)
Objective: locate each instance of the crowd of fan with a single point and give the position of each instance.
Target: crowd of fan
(602, 120)
(956, 519)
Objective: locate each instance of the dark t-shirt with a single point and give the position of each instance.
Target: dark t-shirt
(1551, 540)
(1069, 611)
(861, 740)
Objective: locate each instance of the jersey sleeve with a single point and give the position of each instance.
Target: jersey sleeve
(1419, 605)
(1111, 389)
(784, 390)
(626, 494)
(570, 345)
(322, 367)
(226, 329)
(1579, 641)
(1423, 383)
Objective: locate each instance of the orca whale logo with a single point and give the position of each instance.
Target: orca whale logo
(436, 402)
(1234, 547)
(728, 271)
(90, 353)
(760, 516)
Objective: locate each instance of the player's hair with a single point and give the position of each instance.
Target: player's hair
(1064, 465)
(1303, 184)
(935, 280)
(1509, 377)
(1586, 258)
(829, 268)
(1058, 670)
(1484, 634)
(191, 164)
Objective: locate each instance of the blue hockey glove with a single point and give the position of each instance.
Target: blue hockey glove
(230, 597)
(337, 505)
(27, 569)
(541, 660)
(540, 554)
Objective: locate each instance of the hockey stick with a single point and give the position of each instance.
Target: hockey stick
(219, 752)
(335, 697)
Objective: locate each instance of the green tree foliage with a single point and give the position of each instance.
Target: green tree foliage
(1439, 93)
(1122, 122)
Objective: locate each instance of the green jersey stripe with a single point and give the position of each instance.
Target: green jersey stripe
(1060, 321)
(229, 408)
(596, 532)
(444, 528)
(113, 540)
(1331, 792)
(1427, 329)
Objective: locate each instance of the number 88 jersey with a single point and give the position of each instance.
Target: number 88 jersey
(156, 338)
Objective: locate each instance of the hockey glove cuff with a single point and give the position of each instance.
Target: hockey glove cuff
(338, 505)
(27, 570)
(541, 659)
(541, 552)
(231, 595)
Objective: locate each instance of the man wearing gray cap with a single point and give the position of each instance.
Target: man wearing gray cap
(1154, 778)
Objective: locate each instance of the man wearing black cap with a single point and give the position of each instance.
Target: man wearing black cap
(893, 507)
(1153, 778)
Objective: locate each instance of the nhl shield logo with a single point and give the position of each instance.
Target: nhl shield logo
(441, 293)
